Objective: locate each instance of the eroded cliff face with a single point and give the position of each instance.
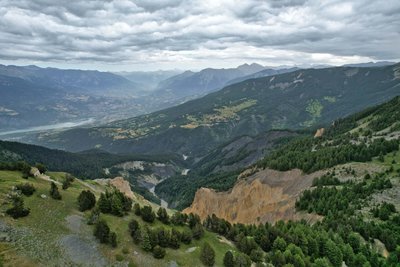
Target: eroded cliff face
(265, 196)
(119, 183)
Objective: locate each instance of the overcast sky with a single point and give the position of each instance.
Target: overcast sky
(167, 34)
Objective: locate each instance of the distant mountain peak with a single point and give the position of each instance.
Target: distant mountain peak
(249, 69)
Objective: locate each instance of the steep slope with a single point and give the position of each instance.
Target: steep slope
(189, 85)
(266, 196)
(262, 194)
(56, 233)
(262, 73)
(219, 168)
(87, 164)
(299, 99)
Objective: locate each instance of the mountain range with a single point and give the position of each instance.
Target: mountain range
(295, 100)
(292, 169)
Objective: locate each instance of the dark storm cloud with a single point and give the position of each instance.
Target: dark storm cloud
(123, 31)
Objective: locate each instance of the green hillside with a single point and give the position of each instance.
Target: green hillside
(86, 165)
(357, 138)
(55, 232)
(296, 100)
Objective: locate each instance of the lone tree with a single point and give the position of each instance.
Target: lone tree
(207, 255)
(86, 200)
(54, 193)
(18, 210)
(102, 231)
(67, 181)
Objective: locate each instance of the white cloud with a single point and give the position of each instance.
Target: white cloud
(124, 34)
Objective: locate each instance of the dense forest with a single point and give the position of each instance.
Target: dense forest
(179, 190)
(301, 244)
(310, 154)
(344, 141)
(85, 165)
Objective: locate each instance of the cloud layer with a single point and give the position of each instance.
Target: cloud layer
(124, 34)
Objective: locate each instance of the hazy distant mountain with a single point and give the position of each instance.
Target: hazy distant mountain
(32, 96)
(193, 84)
(74, 81)
(148, 80)
(262, 73)
(371, 64)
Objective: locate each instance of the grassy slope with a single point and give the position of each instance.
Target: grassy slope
(46, 225)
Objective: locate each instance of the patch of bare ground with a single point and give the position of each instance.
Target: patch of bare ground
(265, 196)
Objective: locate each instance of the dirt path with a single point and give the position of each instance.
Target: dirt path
(81, 248)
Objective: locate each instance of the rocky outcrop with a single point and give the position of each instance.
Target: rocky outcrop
(266, 196)
(319, 133)
(119, 183)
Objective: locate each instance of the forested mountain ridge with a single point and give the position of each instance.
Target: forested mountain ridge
(346, 180)
(300, 99)
(360, 137)
(72, 81)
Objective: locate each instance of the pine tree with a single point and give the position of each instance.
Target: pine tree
(86, 200)
(102, 231)
(116, 205)
(333, 253)
(145, 240)
(186, 236)
(147, 214)
(242, 260)
(197, 231)
(229, 260)
(136, 209)
(137, 236)
(162, 215)
(133, 227)
(54, 193)
(104, 204)
(18, 210)
(207, 255)
(174, 240)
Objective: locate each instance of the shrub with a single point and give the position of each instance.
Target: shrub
(86, 200)
(54, 193)
(147, 214)
(41, 167)
(102, 231)
(18, 210)
(207, 255)
(26, 189)
(119, 257)
(158, 252)
(67, 181)
(162, 215)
